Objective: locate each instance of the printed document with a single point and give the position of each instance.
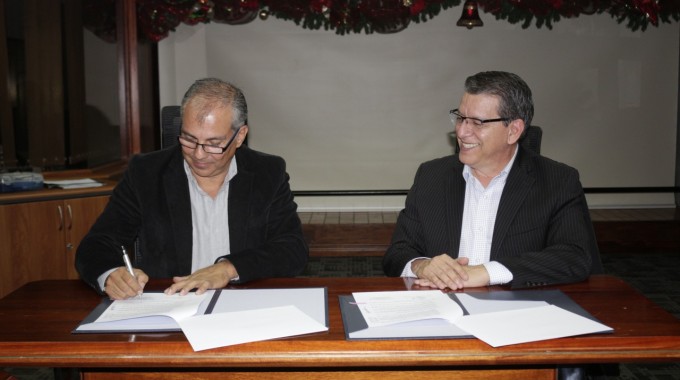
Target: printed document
(150, 312)
(175, 306)
(387, 308)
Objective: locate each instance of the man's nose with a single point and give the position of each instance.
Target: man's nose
(464, 128)
(199, 152)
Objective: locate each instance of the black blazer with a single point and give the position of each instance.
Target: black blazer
(151, 205)
(543, 233)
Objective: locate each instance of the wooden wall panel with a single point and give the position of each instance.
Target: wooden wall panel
(7, 157)
(44, 82)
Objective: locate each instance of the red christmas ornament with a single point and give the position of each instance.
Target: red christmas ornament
(417, 7)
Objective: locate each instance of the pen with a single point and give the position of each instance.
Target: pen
(128, 264)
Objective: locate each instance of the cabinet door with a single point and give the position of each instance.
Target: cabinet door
(31, 245)
(80, 214)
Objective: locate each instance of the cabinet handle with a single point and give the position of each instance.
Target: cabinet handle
(70, 216)
(61, 218)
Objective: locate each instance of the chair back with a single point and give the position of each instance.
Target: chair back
(532, 139)
(171, 124)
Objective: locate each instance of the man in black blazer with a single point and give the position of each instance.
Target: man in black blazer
(495, 213)
(206, 212)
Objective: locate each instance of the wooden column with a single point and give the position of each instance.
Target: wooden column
(74, 84)
(128, 78)
(44, 83)
(8, 155)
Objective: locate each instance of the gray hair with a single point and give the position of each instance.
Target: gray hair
(210, 93)
(514, 94)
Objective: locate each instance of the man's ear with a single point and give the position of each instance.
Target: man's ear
(241, 136)
(515, 130)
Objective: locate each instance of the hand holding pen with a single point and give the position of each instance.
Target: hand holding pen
(125, 282)
(128, 265)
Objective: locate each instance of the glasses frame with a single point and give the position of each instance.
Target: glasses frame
(455, 115)
(181, 138)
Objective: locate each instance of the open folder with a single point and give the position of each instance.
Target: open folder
(478, 313)
(156, 312)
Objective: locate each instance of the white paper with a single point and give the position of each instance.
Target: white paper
(388, 308)
(528, 325)
(153, 304)
(224, 329)
(311, 301)
(427, 328)
(74, 183)
(479, 306)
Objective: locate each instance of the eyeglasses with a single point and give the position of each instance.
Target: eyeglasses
(212, 149)
(458, 119)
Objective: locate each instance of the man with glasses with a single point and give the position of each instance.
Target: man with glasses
(495, 213)
(206, 212)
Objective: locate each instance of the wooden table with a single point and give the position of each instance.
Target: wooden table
(36, 323)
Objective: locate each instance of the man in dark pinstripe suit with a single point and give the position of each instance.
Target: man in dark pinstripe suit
(495, 213)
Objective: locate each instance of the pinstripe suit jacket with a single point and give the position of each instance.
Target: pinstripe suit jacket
(543, 233)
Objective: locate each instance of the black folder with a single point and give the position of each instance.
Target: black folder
(223, 300)
(356, 327)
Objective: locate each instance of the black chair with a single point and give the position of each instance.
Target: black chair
(531, 140)
(171, 123)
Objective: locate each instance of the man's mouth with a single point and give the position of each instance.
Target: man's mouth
(468, 145)
(200, 164)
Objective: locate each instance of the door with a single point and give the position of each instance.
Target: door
(80, 214)
(32, 235)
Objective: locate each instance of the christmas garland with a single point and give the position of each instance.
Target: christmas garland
(156, 18)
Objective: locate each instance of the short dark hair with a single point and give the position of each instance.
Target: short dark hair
(210, 93)
(514, 94)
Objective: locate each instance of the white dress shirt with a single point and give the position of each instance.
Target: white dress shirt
(209, 220)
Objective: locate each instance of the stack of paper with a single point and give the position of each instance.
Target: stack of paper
(497, 318)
